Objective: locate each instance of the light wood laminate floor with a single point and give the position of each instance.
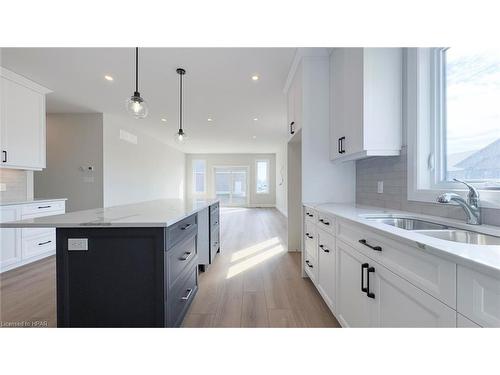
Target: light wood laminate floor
(254, 282)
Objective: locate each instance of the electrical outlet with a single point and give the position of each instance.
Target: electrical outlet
(3, 187)
(78, 244)
(380, 187)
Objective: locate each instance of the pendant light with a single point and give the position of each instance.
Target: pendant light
(180, 135)
(136, 105)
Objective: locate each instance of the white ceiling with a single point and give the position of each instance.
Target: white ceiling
(217, 84)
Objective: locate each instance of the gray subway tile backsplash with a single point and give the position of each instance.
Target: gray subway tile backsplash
(392, 170)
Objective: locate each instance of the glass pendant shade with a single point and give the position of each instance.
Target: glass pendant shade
(137, 106)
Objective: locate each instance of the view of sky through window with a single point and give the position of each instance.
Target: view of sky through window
(473, 113)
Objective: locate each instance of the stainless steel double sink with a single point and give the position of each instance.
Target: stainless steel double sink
(436, 230)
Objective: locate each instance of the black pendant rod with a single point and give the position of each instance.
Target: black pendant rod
(136, 69)
(181, 72)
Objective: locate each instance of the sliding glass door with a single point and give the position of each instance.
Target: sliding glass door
(231, 185)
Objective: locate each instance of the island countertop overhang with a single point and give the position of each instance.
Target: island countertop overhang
(154, 213)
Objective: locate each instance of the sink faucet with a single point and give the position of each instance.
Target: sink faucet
(470, 206)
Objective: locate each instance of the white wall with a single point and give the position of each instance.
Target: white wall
(281, 179)
(135, 172)
(74, 140)
(213, 160)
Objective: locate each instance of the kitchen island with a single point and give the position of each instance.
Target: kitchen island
(133, 265)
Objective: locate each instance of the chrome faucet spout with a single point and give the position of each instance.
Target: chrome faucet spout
(470, 206)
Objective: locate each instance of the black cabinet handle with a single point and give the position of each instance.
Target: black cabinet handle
(310, 215)
(338, 146)
(324, 222)
(368, 293)
(44, 243)
(40, 207)
(324, 248)
(310, 265)
(376, 248)
(185, 227)
(363, 266)
(4, 160)
(341, 145)
(292, 127)
(309, 236)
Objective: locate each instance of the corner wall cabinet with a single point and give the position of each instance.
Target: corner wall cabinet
(369, 280)
(23, 246)
(22, 122)
(365, 102)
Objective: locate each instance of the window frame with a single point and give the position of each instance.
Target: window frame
(425, 119)
(193, 176)
(268, 176)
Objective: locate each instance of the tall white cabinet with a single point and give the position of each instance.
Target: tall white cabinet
(22, 122)
(365, 102)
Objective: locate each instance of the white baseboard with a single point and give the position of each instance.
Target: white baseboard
(262, 205)
(284, 213)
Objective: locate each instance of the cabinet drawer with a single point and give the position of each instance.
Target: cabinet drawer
(310, 240)
(478, 297)
(181, 230)
(34, 246)
(42, 208)
(179, 258)
(326, 222)
(36, 232)
(310, 215)
(311, 267)
(428, 272)
(180, 297)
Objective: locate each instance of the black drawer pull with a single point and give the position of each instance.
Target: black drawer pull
(309, 214)
(186, 226)
(310, 265)
(187, 255)
(44, 243)
(363, 266)
(324, 222)
(4, 160)
(186, 297)
(376, 248)
(40, 207)
(309, 236)
(324, 248)
(368, 293)
(341, 142)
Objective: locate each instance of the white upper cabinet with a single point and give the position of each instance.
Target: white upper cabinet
(365, 102)
(22, 122)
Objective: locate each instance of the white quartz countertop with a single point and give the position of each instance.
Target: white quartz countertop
(156, 213)
(484, 257)
(32, 201)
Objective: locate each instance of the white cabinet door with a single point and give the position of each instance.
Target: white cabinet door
(290, 97)
(297, 99)
(10, 239)
(353, 306)
(22, 126)
(397, 303)
(478, 297)
(326, 267)
(346, 101)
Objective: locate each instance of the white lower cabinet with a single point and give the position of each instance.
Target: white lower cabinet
(326, 267)
(353, 306)
(397, 303)
(22, 246)
(10, 239)
(372, 296)
(478, 297)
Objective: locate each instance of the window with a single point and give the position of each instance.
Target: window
(262, 176)
(199, 176)
(453, 119)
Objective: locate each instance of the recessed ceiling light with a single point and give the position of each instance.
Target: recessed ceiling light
(108, 78)
(254, 137)
(209, 119)
(255, 77)
(256, 119)
(164, 119)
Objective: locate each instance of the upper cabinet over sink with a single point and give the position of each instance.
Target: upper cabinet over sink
(22, 122)
(365, 102)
